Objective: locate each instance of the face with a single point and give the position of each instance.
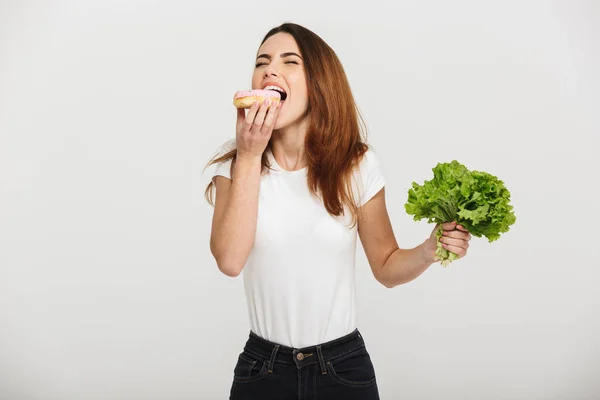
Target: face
(279, 63)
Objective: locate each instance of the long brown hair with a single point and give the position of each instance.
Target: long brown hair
(336, 137)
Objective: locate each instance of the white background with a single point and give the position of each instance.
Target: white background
(109, 111)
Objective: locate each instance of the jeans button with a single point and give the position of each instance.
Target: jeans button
(300, 356)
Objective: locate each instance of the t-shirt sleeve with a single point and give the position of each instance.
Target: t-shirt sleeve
(370, 177)
(223, 168)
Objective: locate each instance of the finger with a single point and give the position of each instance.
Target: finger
(462, 228)
(260, 116)
(455, 242)
(448, 226)
(457, 234)
(271, 117)
(241, 114)
(459, 251)
(251, 115)
(241, 117)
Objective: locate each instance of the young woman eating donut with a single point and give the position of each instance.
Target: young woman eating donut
(293, 191)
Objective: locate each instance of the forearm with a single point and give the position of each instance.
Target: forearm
(237, 229)
(404, 265)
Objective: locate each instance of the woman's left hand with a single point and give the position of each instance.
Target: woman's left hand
(455, 238)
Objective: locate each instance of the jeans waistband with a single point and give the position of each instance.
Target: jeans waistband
(321, 353)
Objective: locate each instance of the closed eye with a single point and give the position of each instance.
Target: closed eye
(287, 62)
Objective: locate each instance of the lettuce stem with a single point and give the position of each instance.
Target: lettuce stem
(445, 256)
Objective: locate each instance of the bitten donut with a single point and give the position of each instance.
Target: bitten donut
(245, 98)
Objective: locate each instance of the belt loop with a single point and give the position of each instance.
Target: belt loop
(321, 361)
(272, 360)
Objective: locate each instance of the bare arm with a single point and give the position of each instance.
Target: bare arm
(236, 201)
(234, 219)
(390, 264)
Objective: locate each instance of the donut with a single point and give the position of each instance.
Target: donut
(245, 98)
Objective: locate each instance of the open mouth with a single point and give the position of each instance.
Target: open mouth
(277, 89)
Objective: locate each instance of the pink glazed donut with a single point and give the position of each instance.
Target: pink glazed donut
(245, 98)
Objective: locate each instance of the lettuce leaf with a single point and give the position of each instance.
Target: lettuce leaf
(477, 200)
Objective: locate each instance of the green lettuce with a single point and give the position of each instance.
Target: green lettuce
(476, 200)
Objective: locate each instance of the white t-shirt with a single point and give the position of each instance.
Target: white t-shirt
(299, 278)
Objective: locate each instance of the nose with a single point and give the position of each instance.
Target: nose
(270, 71)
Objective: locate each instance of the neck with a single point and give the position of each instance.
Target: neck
(288, 146)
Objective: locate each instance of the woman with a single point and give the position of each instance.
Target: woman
(293, 191)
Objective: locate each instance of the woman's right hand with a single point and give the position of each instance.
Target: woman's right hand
(253, 131)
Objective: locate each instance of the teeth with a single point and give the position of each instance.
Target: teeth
(271, 87)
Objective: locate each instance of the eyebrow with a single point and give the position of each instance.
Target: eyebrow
(283, 55)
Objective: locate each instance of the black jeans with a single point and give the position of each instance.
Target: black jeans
(339, 369)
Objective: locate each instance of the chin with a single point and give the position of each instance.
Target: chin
(280, 125)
